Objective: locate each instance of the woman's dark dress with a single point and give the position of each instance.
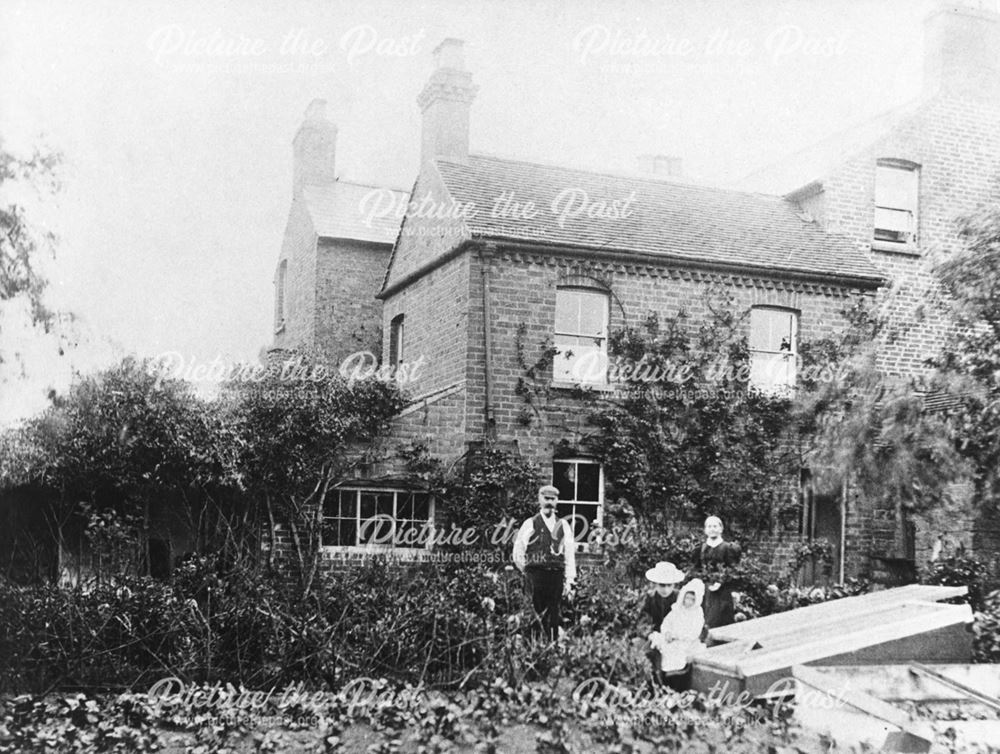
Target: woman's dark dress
(656, 607)
(719, 609)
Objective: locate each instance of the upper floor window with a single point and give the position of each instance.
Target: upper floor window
(581, 336)
(396, 328)
(896, 199)
(581, 494)
(279, 295)
(773, 348)
(377, 517)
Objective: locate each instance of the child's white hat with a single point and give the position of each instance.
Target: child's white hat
(665, 572)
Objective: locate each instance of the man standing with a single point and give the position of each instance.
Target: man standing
(545, 553)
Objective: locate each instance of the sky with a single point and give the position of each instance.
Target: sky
(175, 120)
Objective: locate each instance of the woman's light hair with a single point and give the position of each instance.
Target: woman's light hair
(714, 519)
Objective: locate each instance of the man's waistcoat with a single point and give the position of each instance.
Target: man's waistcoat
(545, 551)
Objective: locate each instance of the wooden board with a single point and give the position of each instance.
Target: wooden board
(891, 626)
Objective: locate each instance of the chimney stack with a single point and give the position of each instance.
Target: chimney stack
(445, 103)
(660, 165)
(314, 149)
(962, 49)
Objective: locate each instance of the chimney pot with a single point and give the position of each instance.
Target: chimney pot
(316, 110)
(662, 165)
(450, 53)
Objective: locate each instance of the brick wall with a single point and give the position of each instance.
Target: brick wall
(298, 252)
(524, 291)
(956, 144)
(445, 319)
(436, 325)
(424, 236)
(348, 317)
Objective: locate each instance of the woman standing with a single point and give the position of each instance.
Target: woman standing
(714, 558)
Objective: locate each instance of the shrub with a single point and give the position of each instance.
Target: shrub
(959, 571)
(606, 598)
(986, 628)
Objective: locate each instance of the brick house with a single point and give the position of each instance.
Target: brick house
(328, 254)
(897, 186)
(497, 256)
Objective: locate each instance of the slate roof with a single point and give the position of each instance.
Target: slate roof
(670, 219)
(346, 210)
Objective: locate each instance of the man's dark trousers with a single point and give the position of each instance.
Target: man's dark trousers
(545, 588)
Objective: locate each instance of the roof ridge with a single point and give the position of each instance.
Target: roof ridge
(661, 181)
(350, 182)
(901, 110)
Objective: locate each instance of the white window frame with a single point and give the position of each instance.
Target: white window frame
(397, 333)
(895, 215)
(562, 367)
(582, 546)
(790, 356)
(360, 547)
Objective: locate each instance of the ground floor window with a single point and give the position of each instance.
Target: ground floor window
(580, 482)
(355, 517)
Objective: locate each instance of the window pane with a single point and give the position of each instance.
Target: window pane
(376, 531)
(579, 517)
(772, 372)
(897, 220)
(338, 531)
(421, 507)
(895, 188)
(567, 311)
(772, 330)
(367, 505)
(567, 351)
(405, 507)
(396, 340)
(588, 482)
(564, 479)
(588, 365)
(347, 532)
(589, 514)
(760, 330)
(331, 506)
(579, 360)
(593, 314)
(385, 503)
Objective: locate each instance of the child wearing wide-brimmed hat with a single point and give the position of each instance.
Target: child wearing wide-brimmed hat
(663, 578)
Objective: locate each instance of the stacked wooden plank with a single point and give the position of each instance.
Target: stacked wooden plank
(890, 626)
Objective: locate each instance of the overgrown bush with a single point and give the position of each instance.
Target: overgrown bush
(959, 571)
(110, 636)
(436, 624)
(986, 645)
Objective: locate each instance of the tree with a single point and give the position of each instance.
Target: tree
(968, 368)
(265, 454)
(858, 423)
(118, 441)
(298, 427)
(22, 241)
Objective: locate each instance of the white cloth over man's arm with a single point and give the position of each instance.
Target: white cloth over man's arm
(570, 549)
(521, 541)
